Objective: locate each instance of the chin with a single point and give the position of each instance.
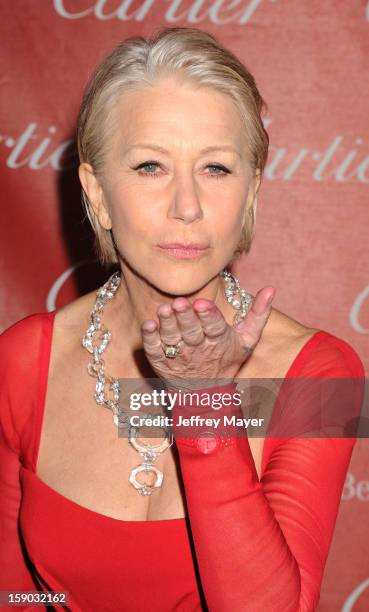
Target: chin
(179, 282)
(177, 278)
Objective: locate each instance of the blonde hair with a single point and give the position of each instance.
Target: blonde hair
(188, 53)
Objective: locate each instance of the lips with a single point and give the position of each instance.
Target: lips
(181, 245)
(179, 250)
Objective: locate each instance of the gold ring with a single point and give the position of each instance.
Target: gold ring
(171, 350)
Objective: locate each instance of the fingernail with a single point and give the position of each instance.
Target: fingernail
(203, 310)
(270, 300)
(204, 307)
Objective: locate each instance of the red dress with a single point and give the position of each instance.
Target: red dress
(248, 545)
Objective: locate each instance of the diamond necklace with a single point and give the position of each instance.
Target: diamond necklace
(108, 392)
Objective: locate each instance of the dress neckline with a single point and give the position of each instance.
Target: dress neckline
(307, 346)
(92, 513)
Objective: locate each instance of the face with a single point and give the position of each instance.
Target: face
(161, 184)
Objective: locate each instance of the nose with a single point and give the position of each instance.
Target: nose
(185, 204)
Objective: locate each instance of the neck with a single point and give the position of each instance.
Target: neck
(136, 300)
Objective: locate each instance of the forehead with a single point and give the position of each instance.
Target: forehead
(180, 113)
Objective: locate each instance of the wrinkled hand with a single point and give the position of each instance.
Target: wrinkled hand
(211, 348)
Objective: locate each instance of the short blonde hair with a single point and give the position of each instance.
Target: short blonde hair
(188, 53)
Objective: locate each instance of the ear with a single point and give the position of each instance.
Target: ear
(94, 192)
(252, 193)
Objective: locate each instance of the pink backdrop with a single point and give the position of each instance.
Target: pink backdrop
(310, 61)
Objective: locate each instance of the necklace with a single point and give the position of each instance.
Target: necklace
(108, 392)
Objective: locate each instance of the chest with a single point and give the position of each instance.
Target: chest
(82, 457)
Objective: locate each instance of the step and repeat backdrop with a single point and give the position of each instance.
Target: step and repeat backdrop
(310, 61)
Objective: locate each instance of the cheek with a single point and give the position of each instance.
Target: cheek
(129, 212)
(228, 218)
(226, 231)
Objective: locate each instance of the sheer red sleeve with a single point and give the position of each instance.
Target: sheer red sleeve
(20, 368)
(262, 545)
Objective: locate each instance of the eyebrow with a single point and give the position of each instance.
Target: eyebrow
(163, 150)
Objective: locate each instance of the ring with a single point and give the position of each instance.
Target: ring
(171, 350)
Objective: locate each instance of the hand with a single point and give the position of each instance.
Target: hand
(211, 348)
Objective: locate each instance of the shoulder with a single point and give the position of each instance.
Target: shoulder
(75, 315)
(288, 347)
(332, 356)
(22, 339)
(25, 345)
(71, 323)
(27, 324)
(25, 354)
(281, 341)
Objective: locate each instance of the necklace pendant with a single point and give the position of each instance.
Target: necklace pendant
(145, 489)
(149, 453)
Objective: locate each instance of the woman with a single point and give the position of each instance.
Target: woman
(172, 151)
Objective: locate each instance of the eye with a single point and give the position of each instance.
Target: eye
(148, 164)
(223, 169)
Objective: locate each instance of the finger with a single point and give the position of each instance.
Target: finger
(169, 330)
(188, 322)
(151, 338)
(254, 322)
(263, 300)
(212, 319)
